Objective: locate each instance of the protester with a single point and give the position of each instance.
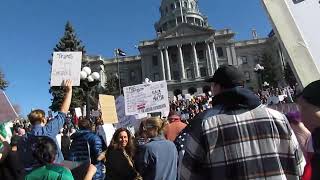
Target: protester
(86, 145)
(239, 138)
(45, 151)
(119, 158)
(141, 136)
(11, 167)
(302, 133)
(174, 127)
(158, 158)
(309, 103)
(65, 141)
(40, 127)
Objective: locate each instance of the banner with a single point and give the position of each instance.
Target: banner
(296, 24)
(124, 121)
(108, 109)
(146, 98)
(7, 112)
(66, 65)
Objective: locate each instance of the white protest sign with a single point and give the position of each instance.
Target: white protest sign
(7, 112)
(146, 98)
(180, 97)
(296, 23)
(66, 65)
(106, 131)
(78, 112)
(188, 96)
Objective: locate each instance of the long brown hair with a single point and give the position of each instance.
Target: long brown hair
(114, 144)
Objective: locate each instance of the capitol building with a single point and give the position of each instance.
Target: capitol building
(187, 50)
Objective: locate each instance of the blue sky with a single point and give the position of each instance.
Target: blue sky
(30, 29)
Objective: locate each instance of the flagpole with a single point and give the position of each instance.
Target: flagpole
(119, 78)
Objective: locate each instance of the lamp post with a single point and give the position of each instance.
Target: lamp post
(88, 81)
(259, 69)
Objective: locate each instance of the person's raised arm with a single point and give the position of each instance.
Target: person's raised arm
(53, 127)
(67, 98)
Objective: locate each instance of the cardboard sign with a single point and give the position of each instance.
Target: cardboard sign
(146, 98)
(66, 65)
(296, 24)
(108, 109)
(7, 112)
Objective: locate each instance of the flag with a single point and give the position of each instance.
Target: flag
(120, 52)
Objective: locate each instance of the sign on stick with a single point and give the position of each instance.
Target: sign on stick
(7, 112)
(296, 23)
(66, 65)
(108, 109)
(146, 98)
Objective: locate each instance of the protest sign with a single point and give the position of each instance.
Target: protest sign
(188, 96)
(66, 65)
(7, 112)
(296, 24)
(78, 112)
(106, 131)
(108, 109)
(95, 113)
(146, 98)
(124, 121)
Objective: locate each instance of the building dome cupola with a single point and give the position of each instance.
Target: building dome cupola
(175, 12)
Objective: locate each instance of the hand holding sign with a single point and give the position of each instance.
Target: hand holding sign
(66, 65)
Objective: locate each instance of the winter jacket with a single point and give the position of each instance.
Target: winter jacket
(85, 143)
(239, 139)
(118, 167)
(157, 160)
(51, 129)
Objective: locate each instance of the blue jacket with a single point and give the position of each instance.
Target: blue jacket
(79, 150)
(51, 129)
(157, 160)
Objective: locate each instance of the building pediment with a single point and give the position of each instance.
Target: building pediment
(186, 30)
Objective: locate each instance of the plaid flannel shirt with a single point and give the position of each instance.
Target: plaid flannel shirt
(241, 144)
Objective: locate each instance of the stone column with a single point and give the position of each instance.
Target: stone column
(215, 56)
(168, 72)
(209, 60)
(234, 56)
(181, 62)
(163, 73)
(229, 55)
(195, 60)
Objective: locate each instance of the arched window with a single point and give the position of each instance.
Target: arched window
(178, 4)
(172, 6)
(185, 4)
(192, 90)
(192, 6)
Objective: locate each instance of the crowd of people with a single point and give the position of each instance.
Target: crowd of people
(231, 135)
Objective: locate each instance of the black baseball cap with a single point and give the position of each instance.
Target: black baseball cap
(311, 93)
(227, 76)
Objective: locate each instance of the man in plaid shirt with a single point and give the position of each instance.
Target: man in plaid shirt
(238, 138)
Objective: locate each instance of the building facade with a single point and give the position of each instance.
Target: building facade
(187, 50)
